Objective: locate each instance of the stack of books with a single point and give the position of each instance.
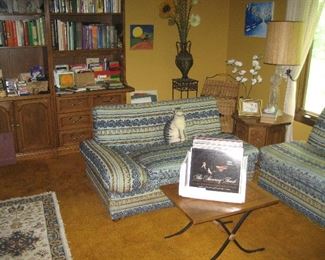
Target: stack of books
(268, 118)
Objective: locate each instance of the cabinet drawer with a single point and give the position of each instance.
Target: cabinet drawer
(74, 120)
(73, 104)
(257, 136)
(74, 136)
(99, 100)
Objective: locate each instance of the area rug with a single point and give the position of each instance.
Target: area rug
(32, 228)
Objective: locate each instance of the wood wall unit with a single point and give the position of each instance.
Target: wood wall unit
(48, 121)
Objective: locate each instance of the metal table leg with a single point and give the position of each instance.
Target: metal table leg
(232, 235)
(181, 231)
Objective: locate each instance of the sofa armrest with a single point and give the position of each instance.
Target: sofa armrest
(118, 172)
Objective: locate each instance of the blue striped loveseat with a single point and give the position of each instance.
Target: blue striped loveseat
(128, 160)
(295, 172)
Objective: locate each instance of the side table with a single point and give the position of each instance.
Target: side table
(201, 211)
(251, 130)
(184, 85)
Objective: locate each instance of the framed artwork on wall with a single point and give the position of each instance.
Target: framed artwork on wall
(141, 36)
(249, 107)
(257, 15)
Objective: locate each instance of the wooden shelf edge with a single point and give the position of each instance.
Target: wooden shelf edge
(57, 53)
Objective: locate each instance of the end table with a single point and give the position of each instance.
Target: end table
(251, 130)
(186, 85)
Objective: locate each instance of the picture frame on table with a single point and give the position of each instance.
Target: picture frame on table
(250, 107)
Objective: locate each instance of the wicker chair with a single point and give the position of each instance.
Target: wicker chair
(225, 89)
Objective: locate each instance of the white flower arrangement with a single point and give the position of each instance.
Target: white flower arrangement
(240, 74)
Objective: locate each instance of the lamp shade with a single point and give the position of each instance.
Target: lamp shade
(283, 43)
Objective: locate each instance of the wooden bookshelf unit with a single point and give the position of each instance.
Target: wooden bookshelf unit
(46, 122)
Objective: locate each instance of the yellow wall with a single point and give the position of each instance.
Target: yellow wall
(154, 69)
(220, 36)
(243, 48)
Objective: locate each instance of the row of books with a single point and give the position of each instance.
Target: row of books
(22, 32)
(70, 35)
(19, 6)
(86, 6)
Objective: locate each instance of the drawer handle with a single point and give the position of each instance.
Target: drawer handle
(75, 121)
(77, 138)
(76, 104)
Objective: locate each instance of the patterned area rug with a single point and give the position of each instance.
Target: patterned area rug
(32, 228)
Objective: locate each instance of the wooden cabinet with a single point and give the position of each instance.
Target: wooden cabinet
(30, 120)
(251, 130)
(74, 113)
(51, 120)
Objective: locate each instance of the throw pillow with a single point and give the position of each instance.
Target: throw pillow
(174, 130)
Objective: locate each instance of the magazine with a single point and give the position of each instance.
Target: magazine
(214, 169)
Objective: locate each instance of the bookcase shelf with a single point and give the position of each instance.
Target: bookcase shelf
(86, 52)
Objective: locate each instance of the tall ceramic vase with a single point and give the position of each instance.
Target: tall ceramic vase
(184, 58)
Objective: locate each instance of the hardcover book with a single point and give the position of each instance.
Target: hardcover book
(214, 169)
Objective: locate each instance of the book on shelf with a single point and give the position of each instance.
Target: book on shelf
(72, 35)
(86, 6)
(214, 169)
(6, 6)
(22, 32)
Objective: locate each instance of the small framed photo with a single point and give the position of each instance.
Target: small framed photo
(249, 107)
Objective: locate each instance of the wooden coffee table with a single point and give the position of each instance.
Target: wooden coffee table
(200, 211)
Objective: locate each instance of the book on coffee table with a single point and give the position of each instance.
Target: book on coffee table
(214, 169)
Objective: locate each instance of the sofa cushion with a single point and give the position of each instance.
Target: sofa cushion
(298, 164)
(317, 135)
(137, 125)
(162, 162)
(118, 172)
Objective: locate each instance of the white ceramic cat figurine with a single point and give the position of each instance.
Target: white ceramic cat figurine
(175, 129)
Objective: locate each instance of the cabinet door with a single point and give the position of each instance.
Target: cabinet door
(33, 124)
(6, 117)
(7, 123)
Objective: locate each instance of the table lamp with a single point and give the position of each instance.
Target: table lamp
(283, 47)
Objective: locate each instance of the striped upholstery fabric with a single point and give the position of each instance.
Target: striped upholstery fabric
(317, 135)
(118, 172)
(121, 205)
(134, 125)
(295, 172)
(128, 159)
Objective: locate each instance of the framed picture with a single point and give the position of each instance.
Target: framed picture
(141, 36)
(249, 107)
(256, 18)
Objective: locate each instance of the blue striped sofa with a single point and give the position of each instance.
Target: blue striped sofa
(128, 160)
(295, 172)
